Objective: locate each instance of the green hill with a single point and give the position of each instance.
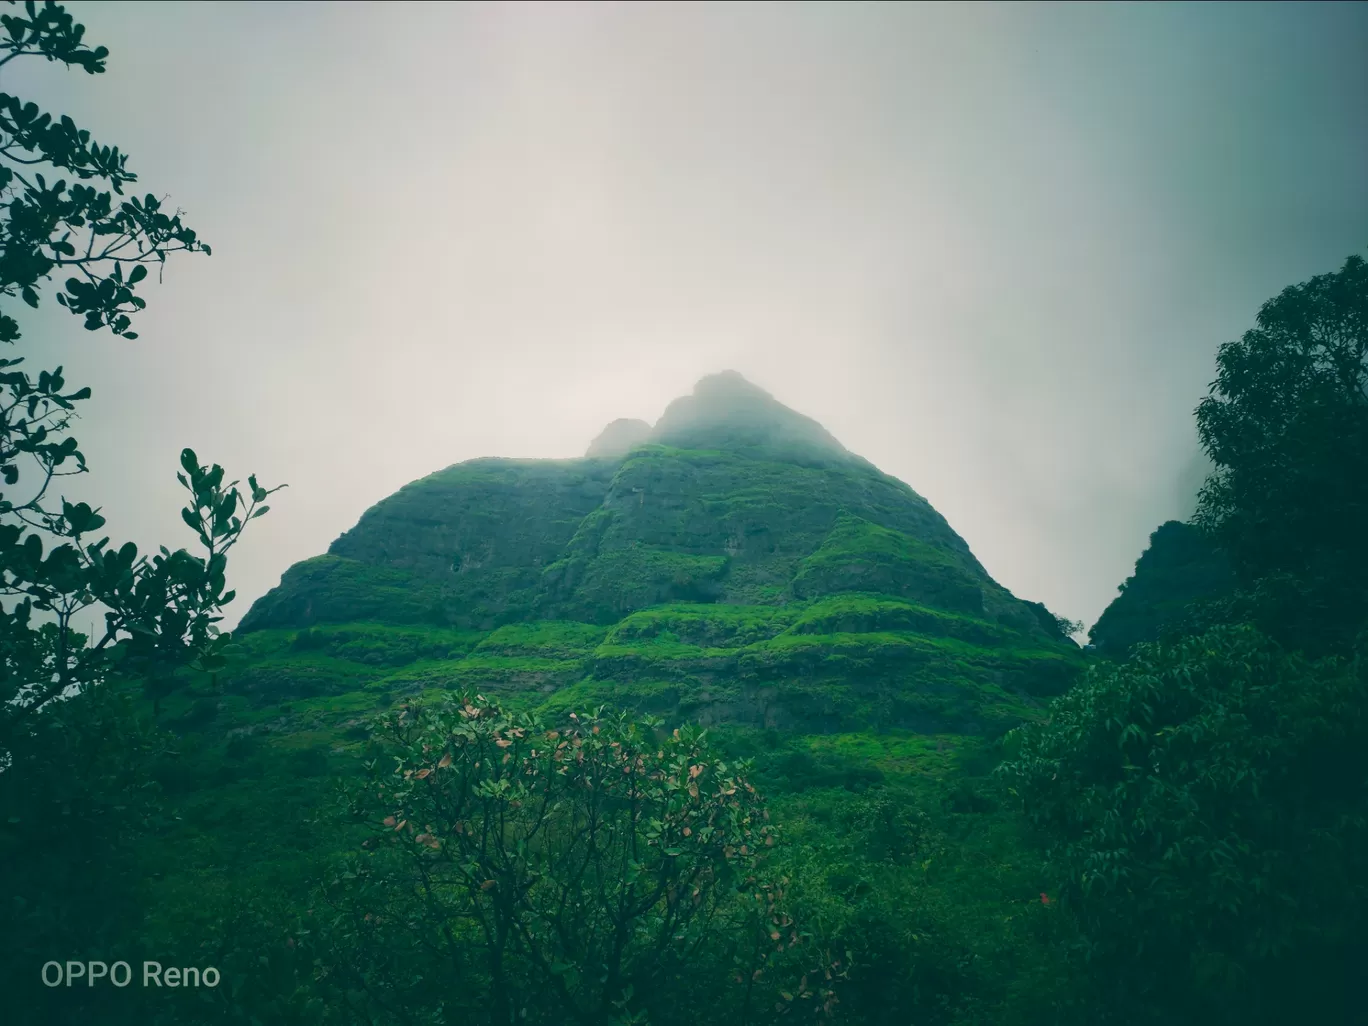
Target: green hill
(1180, 568)
(733, 564)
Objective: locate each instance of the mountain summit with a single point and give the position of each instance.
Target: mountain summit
(735, 562)
(619, 438)
(727, 412)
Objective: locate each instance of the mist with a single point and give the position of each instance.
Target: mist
(993, 249)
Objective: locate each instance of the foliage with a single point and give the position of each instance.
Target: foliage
(1180, 568)
(75, 757)
(50, 227)
(1067, 628)
(332, 589)
(1286, 423)
(1207, 805)
(549, 639)
(861, 556)
(78, 790)
(845, 661)
(579, 874)
(1203, 805)
(161, 611)
(1206, 801)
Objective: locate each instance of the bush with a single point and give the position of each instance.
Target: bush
(1206, 805)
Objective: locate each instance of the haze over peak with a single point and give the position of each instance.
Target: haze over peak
(724, 411)
(619, 437)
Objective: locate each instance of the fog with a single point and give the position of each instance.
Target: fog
(993, 249)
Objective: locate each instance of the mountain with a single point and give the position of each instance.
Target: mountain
(727, 412)
(619, 438)
(733, 563)
(1179, 568)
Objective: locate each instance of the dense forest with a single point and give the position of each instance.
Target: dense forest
(716, 724)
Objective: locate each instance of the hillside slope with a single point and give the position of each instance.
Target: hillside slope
(736, 565)
(1180, 567)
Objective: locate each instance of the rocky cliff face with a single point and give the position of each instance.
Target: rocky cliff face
(736, 520)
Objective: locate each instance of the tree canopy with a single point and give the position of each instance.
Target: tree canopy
(1286, 424)
(1206, 800)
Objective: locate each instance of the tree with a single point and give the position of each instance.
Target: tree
(592, 873)
(1206, 801)
(73, 755)
(48, 227)
(1067, 628)
(160, 612)
(1206, 804)
(1286, 424)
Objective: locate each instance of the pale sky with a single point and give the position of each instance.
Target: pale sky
(992, 249)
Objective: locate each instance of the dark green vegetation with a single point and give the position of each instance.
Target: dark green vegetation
(75, 758)
(843, 775)
(1181, 567)
(1207, 804)
(1206, 801)
(1287, 427)
(823, 665)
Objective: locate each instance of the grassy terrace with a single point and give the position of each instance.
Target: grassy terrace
(818, 664)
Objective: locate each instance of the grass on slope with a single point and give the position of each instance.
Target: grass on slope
(829, 663)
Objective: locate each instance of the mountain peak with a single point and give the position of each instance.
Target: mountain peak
(726, 411)
(618, 438)
(731, 384)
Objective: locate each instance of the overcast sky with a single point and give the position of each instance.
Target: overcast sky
(992, 249)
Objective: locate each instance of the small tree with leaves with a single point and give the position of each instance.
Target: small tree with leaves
(590, 873)
(160, 612)
(88, 230)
